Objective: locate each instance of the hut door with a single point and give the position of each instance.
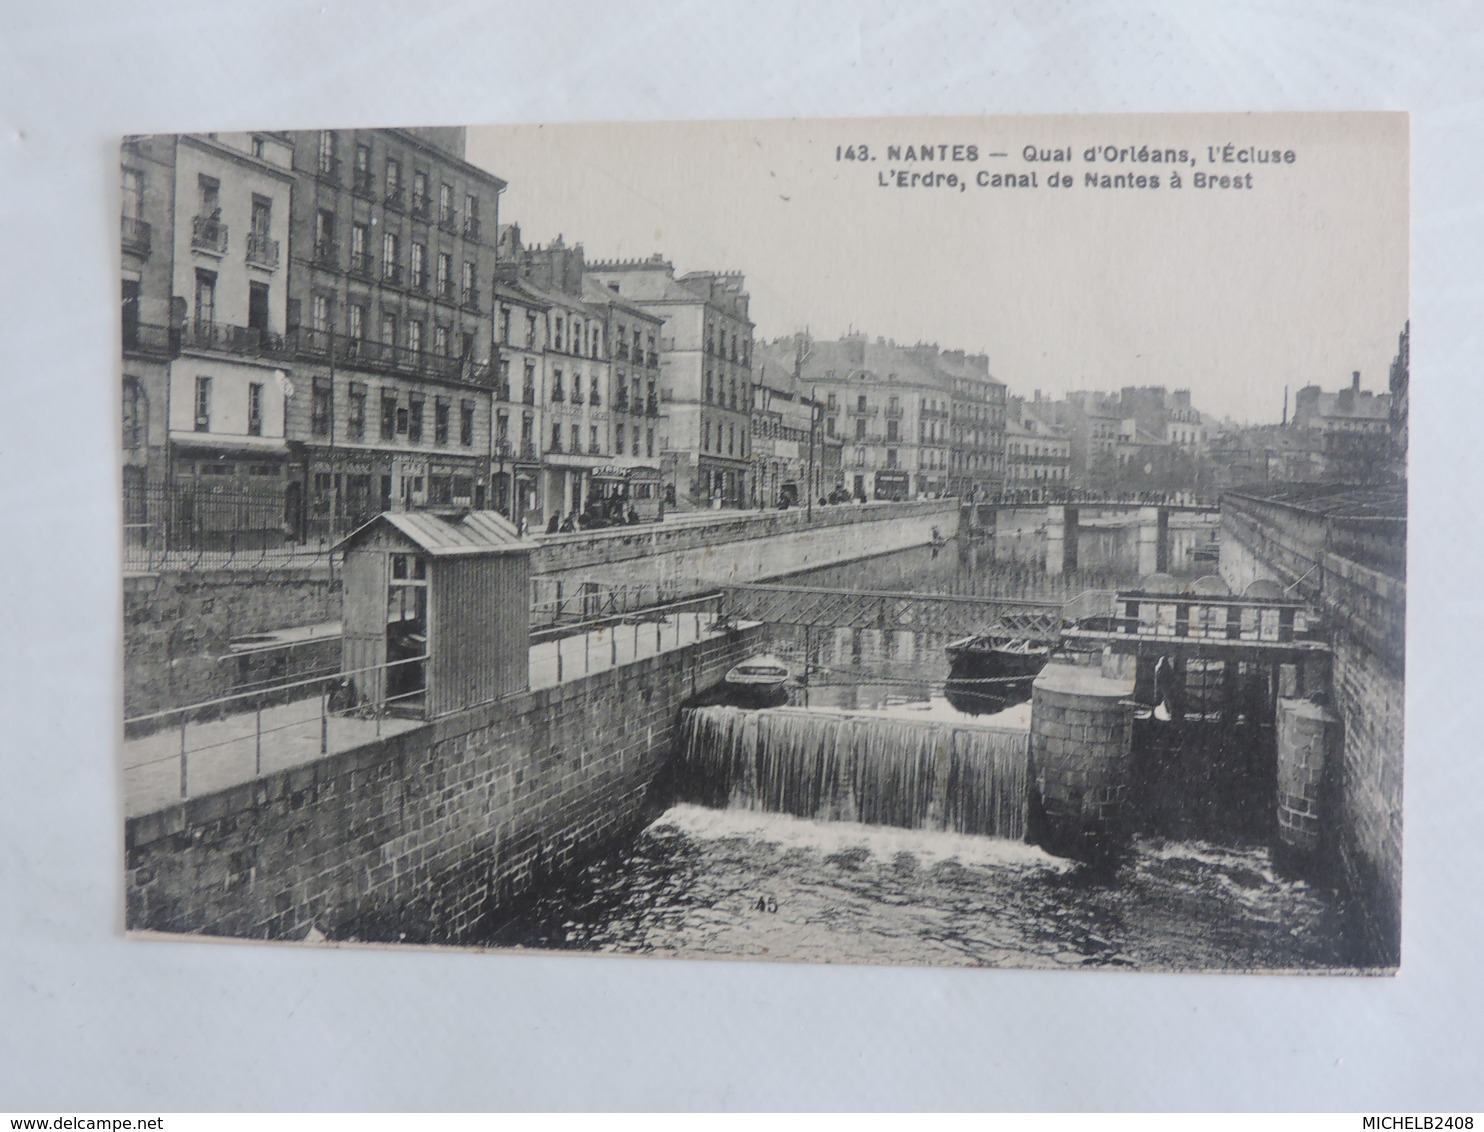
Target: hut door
(407, 628)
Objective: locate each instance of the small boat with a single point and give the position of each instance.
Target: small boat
(989, 672)
(759, 681)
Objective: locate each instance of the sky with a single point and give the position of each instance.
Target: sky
(1298, 276)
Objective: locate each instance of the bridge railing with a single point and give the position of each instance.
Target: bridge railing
(1210, 618)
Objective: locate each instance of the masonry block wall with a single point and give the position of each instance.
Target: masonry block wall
(1365, 613)
(179, 623)
(741, 546)
(442, 825)
(1081, 758)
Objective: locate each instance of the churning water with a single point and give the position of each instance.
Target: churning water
(745, 884)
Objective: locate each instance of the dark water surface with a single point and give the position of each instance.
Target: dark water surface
(750, 885)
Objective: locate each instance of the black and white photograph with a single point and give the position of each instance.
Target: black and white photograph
(956, 542)
(960, 542)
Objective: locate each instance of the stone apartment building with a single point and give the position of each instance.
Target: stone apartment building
(888, 410)
(1038, 455)
(704, 375)
(204, 291)
(391, 326)
(977, 424)
(794, 461)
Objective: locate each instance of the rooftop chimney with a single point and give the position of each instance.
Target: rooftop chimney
(1355, 381)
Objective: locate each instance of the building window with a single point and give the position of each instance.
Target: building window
(576, 438)
(363, 169)
(419, 271)
(415, 419)
(445, 275)
(469, 293)
(132, 184)
(360, 258)
(389, 334)
(829, 426)
(420, 193)
(649, 442)
(731, 439)
(356, 425)
(466, 423)
(205, 296)
(618, 440)
(440, 421)
(355, 322)
(388, 415)
(255, 408)
(502, 430)
(557, 393)
(324, 236)
(528, 392)
(558, 342)
(136, 416)
(393, 179)
(440, 340)
(860, 428)
(505, 325)
(556, 436)
(445, 204)
(391, 257)
(415, 336)
(706, 438)
(326, 152)
(502, 380)
(592, 440)
(209, 194)
(321, 405)
(471, 216)
(531, 330)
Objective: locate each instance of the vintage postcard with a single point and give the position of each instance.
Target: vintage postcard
(964, 541)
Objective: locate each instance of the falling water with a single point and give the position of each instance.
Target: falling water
(856, 768)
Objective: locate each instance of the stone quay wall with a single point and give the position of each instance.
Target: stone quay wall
(425, 835)
(740, 546)
(178, 625)
(1364, 609)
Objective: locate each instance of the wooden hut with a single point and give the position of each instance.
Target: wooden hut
(437, 611)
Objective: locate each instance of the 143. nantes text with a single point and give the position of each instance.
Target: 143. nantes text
(1229, 165)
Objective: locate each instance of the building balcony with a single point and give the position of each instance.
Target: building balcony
(225, 338)
(418, 282)
(528, 396)
(362, 266)
(444, 291)
(391, 274)
(150, 340)
(396, 200)
(208, 234)
(471, 228)
(310, 342)
(327, 169)
(469, 299)
(134, 235)
(576, 397)
(326, 254)
(448, 221)
(363, 184)
(653, 360)
(596, 400)
(857, 411)
(621, 403)
(262, 251)
(422, 208)
(894, 414)
(527, 449)
(504, 449)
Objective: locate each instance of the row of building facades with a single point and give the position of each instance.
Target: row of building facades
(322, 325)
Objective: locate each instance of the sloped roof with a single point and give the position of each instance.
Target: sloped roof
(448, 533)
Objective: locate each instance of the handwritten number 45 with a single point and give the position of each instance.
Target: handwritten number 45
(765, 904)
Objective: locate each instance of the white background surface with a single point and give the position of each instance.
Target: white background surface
(90, 1021)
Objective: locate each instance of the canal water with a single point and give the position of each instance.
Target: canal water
(840, 833)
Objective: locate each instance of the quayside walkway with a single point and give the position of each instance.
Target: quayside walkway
(203, 748)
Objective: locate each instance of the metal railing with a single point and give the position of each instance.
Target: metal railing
(227, 728)
(209, 234)
(599, 643)
(135, 235)
(261, 250)
(199, 526)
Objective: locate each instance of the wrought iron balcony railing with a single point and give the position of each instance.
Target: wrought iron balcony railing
(147, 338)
(135, 235)
(422, 208)
(471, 228)
(363, 184)
(470, 298)
(261, 250)
(222, 337)
(326, 253)
(448, 220)
(396, 200)
(208, 234)
(327, 169)
(391, 274)
(361, 265)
